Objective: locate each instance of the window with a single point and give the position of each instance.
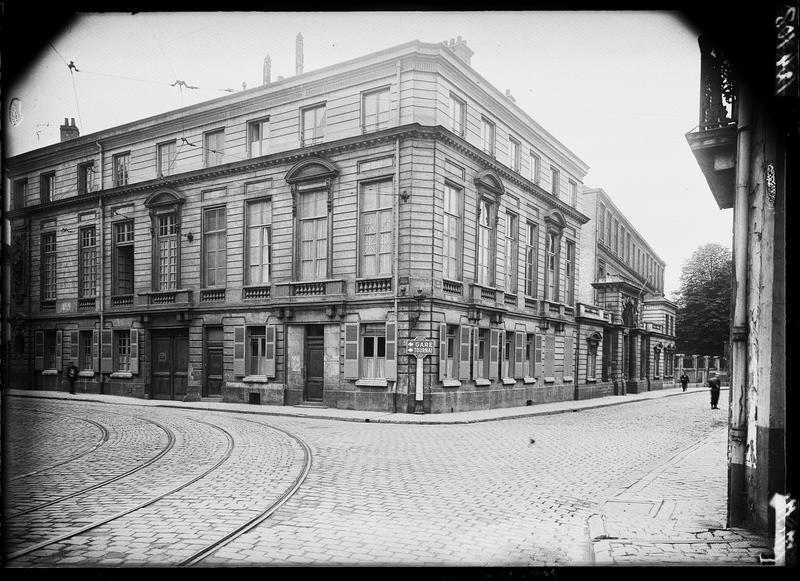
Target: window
(122, 163)
(166, 158)
(373, 350)
(87, 262)
(85, 178)
(451, 341)
(609, 226)
(616, 236)
(256, 350)
(552, 270)
(451, 233)
(122, 268)
(487, 136)
(569, 272)
(214, 147)
(257, 137)
(573, 194)
(20, 193)
(508, 360)
(458, 110)
(376, 228)
(49, 266)
(214, 247)
(50, 350)
(167, 249)
(485, 243)
(482, 363)
(591, 360)
(536, 168)
(529, 363)
(531, 258)
(122, 350)
(601, 223)
(47, 187)
(601, 269)
(313, 235)
(85, 355)
(259, 242)
(512, 252)
(375, 109)
(555, 185)
(657, 362)
(513, 153)
(313, 125)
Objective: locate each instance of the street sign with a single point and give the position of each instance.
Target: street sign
(420, 347)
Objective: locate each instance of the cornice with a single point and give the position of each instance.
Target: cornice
(324, 150)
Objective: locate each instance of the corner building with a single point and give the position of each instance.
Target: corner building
(280, 245)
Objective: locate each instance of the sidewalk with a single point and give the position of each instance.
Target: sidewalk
(320, 412)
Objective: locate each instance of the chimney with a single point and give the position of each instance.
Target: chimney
(69, 130)
(460, 48)
(267, 70)
(298, 48)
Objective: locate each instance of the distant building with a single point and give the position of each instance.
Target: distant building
(283, 244)
(624, 278)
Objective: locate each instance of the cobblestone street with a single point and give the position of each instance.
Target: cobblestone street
(104, 482)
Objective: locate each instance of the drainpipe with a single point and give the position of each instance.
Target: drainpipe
(737, 435)
(577, 352)
(396, 238)
(101, 265)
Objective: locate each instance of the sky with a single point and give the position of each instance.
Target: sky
(620, 89)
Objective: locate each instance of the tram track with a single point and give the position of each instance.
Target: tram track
(121, 514)
(103, 431)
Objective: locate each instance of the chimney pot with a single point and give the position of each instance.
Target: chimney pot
(69, 130)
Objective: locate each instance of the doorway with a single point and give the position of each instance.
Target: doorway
(314, 362)
(212, 386)
(170, 357)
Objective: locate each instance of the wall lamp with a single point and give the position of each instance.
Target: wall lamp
(413, 316)
(189, 236)
(404, 195)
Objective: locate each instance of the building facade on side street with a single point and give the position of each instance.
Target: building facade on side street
(623, 283)
(746, 145)
(282, 245)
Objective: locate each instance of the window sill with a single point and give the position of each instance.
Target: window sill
(375, 382)
(591, 380)
(86, 373)
(481, 381)
(528, 380)
(509, 381)
(568, 379)
(50, 372)
(255, 379)
(451, 383)
(121, 375)
(549, 379)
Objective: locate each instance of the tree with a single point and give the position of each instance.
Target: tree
(702, 322)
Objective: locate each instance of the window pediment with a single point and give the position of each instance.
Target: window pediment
(594, 337)
(162, 198)
(313, 168)
(555, 219)
(489, 180)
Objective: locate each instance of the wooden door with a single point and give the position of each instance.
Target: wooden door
(314, 360)
(212, 386)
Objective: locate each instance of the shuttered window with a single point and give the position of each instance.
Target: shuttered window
(122, 350)
(451, 233)
(373, 350)
(256, 351)
(86, 351)
(214, 247)
(508, 355)
(258, 137)
(50, 350)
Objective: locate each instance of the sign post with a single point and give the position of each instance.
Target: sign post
(419, 348)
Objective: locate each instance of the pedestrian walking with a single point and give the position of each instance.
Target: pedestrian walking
(72, 375)
(714, 384)
(684, 381)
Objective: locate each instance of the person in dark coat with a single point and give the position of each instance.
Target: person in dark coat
(714, 384)
(72, 375)
(684, 381)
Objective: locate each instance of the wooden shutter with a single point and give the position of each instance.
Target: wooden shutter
(569, 359)
(74, 338)
(549, 354)
(238, 351)
(134, 351)
(38, 350)
(537, 356)
(475, 352)
(269, 355)
(96, 351)
(442, 351)
(106, 351)
(59, 349)
(463, 352)
(391, 351)
(494, 342)
(519, 353)
(351, 345)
